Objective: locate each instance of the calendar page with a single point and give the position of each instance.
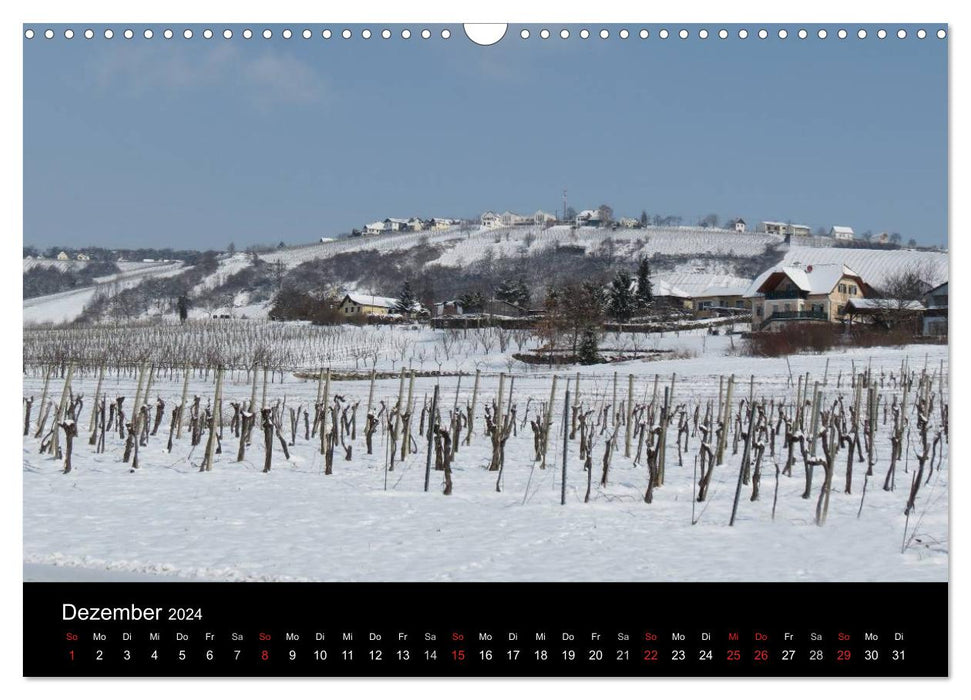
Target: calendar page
(485, 350)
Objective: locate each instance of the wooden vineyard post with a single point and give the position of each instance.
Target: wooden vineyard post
(662, 438)
(401, 401)
(512, 383)
(798, 418)
(613, 403)
(145, 399)
(814, 419)
(97, 395)
(185, 398)
(43, 395)
(746, 455)
(263, 398)
(458, 388)
(370, 395)
(252, 404)
(65, 392)
(325, 400)
(475, 396)
(431, 438)
(726, 420)
(721, 401)
(502, 385)
(320, 383)
(566, 444)
(629, 414)
(406, 444)
(138, 398)
(206, 465)
(548, 419)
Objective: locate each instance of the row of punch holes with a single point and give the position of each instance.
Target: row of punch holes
(446, 33)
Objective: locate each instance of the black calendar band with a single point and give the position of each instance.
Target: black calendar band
(486, 629)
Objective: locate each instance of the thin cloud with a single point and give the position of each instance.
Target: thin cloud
(265, 78)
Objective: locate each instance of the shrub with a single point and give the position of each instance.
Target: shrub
(821, 337)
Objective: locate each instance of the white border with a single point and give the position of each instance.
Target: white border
(606, 11)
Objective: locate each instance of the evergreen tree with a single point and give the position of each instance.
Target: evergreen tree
(621, 300)
(407, 301)
(643, 218)
(644, 294)
(514, 292)
(472, 302)
(587, 351)
(183, 306)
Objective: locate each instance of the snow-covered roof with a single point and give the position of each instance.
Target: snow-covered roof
(843, 229)
(376, 224)
(371, 300)
(662, 288)
(397, 221)
(818, 278)
(784, 224)
(877, 304)
(730, 291)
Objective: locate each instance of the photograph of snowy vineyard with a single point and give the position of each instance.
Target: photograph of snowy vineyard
(253, 450)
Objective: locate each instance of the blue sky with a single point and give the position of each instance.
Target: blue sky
(197, 143)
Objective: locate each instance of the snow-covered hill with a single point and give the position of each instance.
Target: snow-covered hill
(873, 265)
(67, 306)
(694, 259)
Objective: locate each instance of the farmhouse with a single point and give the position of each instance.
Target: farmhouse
(498, 307)
(783, 228)
(721, 301)
(541, 217)
(490, 220)
(738, 225)
(668, 295)
(935, 315)
(83, 257)
(447, 308)
(375, 228)
(63, 256)
(814, 293)
(509, 218)
(588, 217)
(841, 233)
(395, 224)
(367, 305)
(440, 224)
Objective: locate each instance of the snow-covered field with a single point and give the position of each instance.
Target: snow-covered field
(365, 523)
